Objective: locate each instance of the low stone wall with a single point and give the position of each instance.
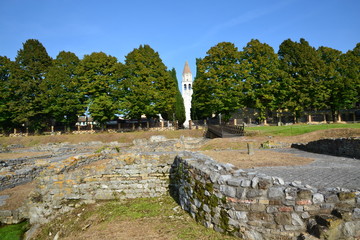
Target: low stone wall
(255, 206)
(120, 176)
(347, 147)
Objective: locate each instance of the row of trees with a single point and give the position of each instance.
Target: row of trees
(37, 91)
(298, 78)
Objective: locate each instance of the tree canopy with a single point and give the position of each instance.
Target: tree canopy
(37, 91)
(299, 78)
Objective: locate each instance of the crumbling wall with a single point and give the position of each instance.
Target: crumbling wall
(347, 147)
(120, 176)
(255, 206)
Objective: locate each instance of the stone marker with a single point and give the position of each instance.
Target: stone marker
(250, 147)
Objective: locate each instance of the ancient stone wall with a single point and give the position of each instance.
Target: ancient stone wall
(347, 147)
(255, 206)
(117, 177)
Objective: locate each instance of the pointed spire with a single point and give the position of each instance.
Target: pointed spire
(186, 68)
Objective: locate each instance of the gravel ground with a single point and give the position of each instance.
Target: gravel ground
(325, 172)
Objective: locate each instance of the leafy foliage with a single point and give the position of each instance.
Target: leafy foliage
(219, 81)
(262, 72)
(179, 101)
(37, 92)
(147, 86)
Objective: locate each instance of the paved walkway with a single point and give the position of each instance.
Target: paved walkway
(325, 172)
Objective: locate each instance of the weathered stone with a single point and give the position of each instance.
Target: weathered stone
(254, 182)
(283, 218)
(271, 209)
(296, 220)
(228, 190)
(304, 194)
(275, 193)
(258, 207)
(346, 196)
(318, 198)
(285, 209)
(245, 183)
(305, 215)
(352, 229)
(238, 215)
(356, 213)
(264, 183)
(278, 181)
(252, 193)
(234, 182)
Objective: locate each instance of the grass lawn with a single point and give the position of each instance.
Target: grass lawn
(142, 218)
(13, 232)
(296, 129)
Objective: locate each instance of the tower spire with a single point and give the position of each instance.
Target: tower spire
(186, 68)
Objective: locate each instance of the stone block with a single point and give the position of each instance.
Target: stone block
(347, 196)
(257, 207)
(305, 215)
(264, 183)
(283, 218)
(278, 181)
(294, 228)
(304, 194)
(260, 216)
(318, 198)
(275, 193)
(285, 209)
(238, 215)
(245, 183)
(5, 213)
(241, 192)
(223, 178)
(356, 213)
(254, 182)
(296, 220)
(228, 190)
(253, 193)
(303, 202)
(271, 209)
(234, 182)
(352, 230)
(299, 208)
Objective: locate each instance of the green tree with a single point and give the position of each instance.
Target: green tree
(218, 85)
(5, 94)
(350, 71)
(100, 78)
(61, 88)
(340, 91)
(179, 101)
(147, 86)
(103, 109)
(304, 75)
(32, 63)
(261, 63)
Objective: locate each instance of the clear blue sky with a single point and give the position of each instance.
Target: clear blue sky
(180, 31)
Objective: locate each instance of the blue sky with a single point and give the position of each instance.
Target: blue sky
(179, 30)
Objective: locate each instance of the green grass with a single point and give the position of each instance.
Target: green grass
(13, 232)
(296, 129)
(161, 213)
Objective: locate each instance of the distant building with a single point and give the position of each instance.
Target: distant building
(187, 91)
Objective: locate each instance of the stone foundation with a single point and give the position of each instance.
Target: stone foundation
(255, 206)
(347, 147)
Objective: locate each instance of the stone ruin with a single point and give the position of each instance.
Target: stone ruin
(242, 203)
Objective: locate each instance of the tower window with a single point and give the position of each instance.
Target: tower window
(184, 86)
(189, 86)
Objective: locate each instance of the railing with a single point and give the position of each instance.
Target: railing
(225, 131)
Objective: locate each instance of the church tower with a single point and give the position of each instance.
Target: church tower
(187, 92)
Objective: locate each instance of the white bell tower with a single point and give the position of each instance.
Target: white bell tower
(187, 91)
